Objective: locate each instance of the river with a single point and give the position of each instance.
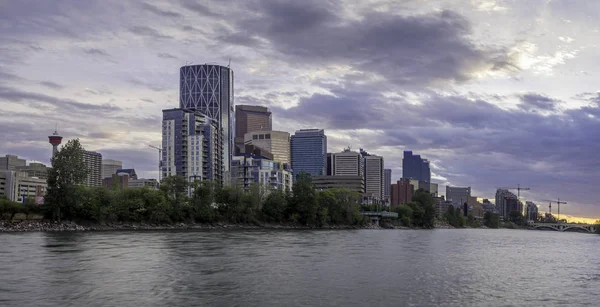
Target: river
(467, 267)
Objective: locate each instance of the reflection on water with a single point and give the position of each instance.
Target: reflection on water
(300, 268)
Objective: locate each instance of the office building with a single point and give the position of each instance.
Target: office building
(192, 147)
(387, 184)
(11, 162)
(127, 171)
(143, 183)
(329, 167)
(251, 119)
(110, 167)
(458, 195)
(488, 206)
(275, 142)
(506, 202)
(17, 186)
(37, 170)
(347, 163)
(93, 163)
(309, 152)
(350, 182)
(414, 167)
(402, 192)
(116, 181)
(209, 89)
(248, 169)
(532, 211)
(374, 177)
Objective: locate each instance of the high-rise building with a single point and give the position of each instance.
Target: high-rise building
(248, 169)
(329, 167)
(506, 202)
(192, 147)
(309, 152)
(532, 211)
(209, 89)
(458, 195)
(387, 184)
(374, 176)
(402, 192)
(110, 167)
(275, 142)
(251, 119)
(93, 162)
(414, 167)
(352, 183)
(11, 162)
(37, 170)
(488, 206)
(347, 163)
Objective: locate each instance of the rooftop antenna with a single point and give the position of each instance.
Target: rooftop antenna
(229, 65)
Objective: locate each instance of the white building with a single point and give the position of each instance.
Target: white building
(374, 176)
(16, 186)
(275, 142)
(140, 183)
(110, 167)
(347, 163)
(192, 146)
(93, 162)
(248, 169)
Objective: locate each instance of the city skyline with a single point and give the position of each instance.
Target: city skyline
(487, 112)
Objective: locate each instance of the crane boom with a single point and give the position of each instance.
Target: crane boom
(558, 202)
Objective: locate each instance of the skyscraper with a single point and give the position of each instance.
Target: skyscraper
(209, 89)
(387, 184)
(347, 163)
(506, 202)
(309, 152)
(192, 147)
(10, 162)
(251, 119)
(110, 167)
(275, 142)
(374, 176)
(414, 167)
(93, 162)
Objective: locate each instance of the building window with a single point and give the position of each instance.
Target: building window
(268, 136)
(261, 137)
(255, 137)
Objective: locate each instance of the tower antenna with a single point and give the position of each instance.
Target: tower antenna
(229, 65)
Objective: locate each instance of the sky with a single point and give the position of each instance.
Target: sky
(494, 93)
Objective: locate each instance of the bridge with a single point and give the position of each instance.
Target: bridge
(376, 216)
(564, 227)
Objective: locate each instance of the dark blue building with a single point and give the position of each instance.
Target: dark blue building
(414, 167)
(309, 152)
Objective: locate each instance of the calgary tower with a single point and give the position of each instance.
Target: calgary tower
(55, 140)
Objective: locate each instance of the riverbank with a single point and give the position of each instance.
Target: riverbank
(53, 226)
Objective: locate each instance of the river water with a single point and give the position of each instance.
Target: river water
(474, 267)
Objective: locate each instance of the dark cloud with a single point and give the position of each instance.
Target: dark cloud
(199, 8)
(537, 102)
(148, 32)
(158, 11)
(97, 51)
(14, 95)
(404, 49)
(165, 55)
(52, 85)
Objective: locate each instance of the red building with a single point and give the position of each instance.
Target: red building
(402, 192)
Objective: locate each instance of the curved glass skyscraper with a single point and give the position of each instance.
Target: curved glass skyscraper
(209, 89)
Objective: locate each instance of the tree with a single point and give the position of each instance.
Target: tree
(517, 218)
(174, 189)
(405, 214)
(425, 200)
(274, 207)
(491, 220)
(304, 200)
(68, 170)
(203, 200)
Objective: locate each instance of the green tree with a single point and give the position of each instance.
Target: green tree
(175, 189)
(67, 172)
(304, 199)
(491, 220)
(405, 214)
(203, 201)
(427, 203)
(517, 218)
(274, 207)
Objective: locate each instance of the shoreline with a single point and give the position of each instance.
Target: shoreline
(71, 226)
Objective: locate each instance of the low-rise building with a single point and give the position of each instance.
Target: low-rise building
(38, 170)
(116, 181)
(402, 192)
(141, 183)
(248, 169)
(488, 206)
(17, 186)
(353, 183)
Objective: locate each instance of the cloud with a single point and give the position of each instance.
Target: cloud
(15, 95)
(52, 85)
(146, 31)
(198, 8)
(158, 11)
(537, 102)
(146, 84)
(97, 51)
(165, 55)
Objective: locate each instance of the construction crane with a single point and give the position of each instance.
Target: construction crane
(558, 202)
(160, 150)
(519, 189)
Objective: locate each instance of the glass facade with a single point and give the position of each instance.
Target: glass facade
(414, 167)
(309, 152)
